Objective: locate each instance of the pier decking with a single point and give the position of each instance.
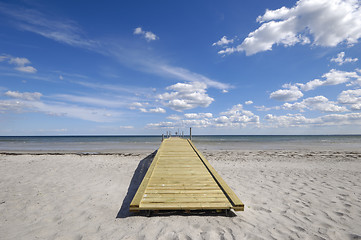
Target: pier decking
(180, 178)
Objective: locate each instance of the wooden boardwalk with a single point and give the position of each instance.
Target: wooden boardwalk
(180, 178)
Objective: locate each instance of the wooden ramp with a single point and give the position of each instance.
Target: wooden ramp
(180, 178)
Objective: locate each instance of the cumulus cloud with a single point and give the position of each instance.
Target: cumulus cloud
(198, 115)
(292, 92)
(340, 59)
(185, 96)
(174, 117)
(320, 22)
(333, 77)
(319, 103)
(149, 36)
(157, 110)
(223, 41)
(235, 117)
(287, 95)
(289, 120)
(248, 102)
(351, 97)
(143, 107)
(298, 120)
(19, 63)
(136, 105)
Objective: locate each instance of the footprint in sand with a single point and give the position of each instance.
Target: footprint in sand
(262, 209)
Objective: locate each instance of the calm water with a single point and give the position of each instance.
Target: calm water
(96, 144)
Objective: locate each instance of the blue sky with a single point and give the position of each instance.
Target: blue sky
(142, 67)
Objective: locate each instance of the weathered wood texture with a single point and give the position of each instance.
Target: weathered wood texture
(180, 178)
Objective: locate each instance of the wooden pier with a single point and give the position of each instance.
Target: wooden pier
(180, 178)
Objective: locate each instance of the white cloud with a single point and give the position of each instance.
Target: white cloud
(126, 127)
(235, 117)
(161, 125)
(174, 117)
(289, 120)
(25, 95)
(137, 105)
(157, 110)
(196, 123)
(310, 85)
(26, 69)
(291, 94)
(149, 36)
(11, 105)
(319, 103)
(265, 109)
(19, 63)
(351, 97)
(3, 58)
(138, 30)
(262, 39)
(223, 41)
(185, 96)
(143, 108)
(333, 77)
(326, 22)
(298, 120)
(198, 115)
(248, 102)
(184, 74)
(340, 59)
(230, 50)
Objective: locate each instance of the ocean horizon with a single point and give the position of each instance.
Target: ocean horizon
(121, 143)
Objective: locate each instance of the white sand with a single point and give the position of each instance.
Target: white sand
(287, 195)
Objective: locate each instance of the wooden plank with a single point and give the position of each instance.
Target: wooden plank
(185, 200)
(233, 197)
(147, 191)
(185, 206)
(183, 195)
(182, 188)
(200, 184)
(140, 192)
(180, 178)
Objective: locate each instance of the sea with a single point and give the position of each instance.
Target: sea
(115, 144)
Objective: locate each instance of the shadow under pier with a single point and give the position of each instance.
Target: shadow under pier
(134, 185)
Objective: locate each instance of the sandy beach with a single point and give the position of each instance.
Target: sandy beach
(287, 195)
